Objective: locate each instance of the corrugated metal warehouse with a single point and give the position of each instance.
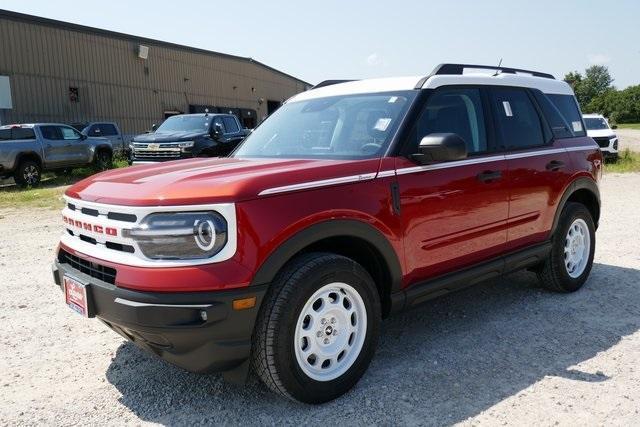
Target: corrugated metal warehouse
(62, 72)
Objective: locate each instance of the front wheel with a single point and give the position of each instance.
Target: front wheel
(318, 328)
(569, 263)
(104, 160)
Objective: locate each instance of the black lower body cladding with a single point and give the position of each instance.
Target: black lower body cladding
(197, 331)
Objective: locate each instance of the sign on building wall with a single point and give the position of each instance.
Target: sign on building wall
(5, 93)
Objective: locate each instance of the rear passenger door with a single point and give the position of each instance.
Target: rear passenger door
(454, 214)
(538, 165)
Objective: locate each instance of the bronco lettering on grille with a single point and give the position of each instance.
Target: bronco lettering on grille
(109, 231)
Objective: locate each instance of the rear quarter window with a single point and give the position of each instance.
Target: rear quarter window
(569, 109)
(5, 134)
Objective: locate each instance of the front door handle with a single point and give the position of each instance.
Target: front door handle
(489, 176)
(555, 165)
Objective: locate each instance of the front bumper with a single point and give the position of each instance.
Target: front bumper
(197, 331)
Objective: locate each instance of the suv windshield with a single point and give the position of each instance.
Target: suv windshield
(185, 124)
(339, 127)
(595, 123)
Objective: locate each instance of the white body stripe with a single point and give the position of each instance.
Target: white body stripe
(417, 169)
(320, 183)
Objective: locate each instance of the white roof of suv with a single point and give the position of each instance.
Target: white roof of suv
(491, 76)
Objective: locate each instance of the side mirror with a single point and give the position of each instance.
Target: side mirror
(83, 136)
(440, 147)
(217, 131)
(154, 127)
(614, 126)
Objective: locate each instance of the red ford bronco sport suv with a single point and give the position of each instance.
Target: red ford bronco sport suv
(353, 201)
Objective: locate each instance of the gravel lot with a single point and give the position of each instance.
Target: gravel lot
(504, 352)
(629, 138)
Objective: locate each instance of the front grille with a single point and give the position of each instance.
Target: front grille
(602, 141)
(97, 271)
(158, 154)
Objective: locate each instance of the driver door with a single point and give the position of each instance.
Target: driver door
(454, 213)
(76, 148)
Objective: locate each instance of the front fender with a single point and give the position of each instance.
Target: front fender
(327, 229)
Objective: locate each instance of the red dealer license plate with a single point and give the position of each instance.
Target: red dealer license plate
(75, 295)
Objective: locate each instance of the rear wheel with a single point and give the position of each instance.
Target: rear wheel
(318, 328)
(569, 263)
(28, 174)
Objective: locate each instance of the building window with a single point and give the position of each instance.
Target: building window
(73, 94)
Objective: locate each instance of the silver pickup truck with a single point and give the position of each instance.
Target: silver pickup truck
(29, 149)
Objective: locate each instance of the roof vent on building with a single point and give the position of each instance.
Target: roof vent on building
(143, 51)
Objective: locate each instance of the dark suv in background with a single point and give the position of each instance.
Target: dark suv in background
(189, 135)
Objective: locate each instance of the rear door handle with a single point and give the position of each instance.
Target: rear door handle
(489, 176)
(555, 165)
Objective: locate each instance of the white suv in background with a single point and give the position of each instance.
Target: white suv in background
(598, 128)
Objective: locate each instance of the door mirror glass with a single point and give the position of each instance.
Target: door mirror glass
(440, 147)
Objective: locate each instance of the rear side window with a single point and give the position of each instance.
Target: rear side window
(230, 124)
(22, 134)
(568, 107)
(559, 126)
(453, 110)
(518, 120)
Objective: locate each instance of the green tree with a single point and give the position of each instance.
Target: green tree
(596, 82)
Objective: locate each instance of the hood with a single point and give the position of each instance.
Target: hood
(169, 136)
(209, 180)
(599, 133)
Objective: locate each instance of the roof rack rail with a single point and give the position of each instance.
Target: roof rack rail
(330, 82)
(458, 69)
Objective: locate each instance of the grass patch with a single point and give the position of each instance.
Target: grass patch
(628, 161)
(629, 126)
(49, 193)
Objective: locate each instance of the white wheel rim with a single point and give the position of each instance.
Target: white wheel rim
(30, 174)
(330, 331)
(577, 246)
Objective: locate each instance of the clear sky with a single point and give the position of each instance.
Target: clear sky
(318, 40)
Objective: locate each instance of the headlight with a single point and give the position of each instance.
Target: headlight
(186, 144)
(182, 235)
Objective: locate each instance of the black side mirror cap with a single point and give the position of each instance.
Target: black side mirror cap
(216, 132)
(154, 127)
(440, 147)
(614, 126)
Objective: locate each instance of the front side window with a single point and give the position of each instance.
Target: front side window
(595, 123)
(453, 110)
(69, 133)
(51, 132)
(339, 127)
(184, 124)
(104, 129)
(518, 120)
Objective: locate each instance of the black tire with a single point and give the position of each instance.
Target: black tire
(553, 273)
(103, 159)
(28, 174)
(273, 356)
